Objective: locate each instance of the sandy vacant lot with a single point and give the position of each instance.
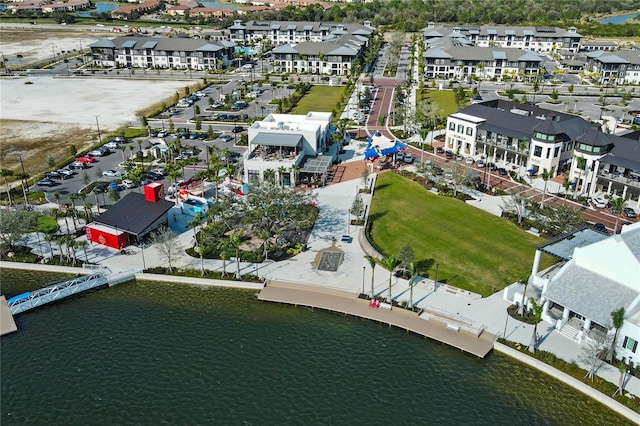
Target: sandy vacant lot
(40, 45)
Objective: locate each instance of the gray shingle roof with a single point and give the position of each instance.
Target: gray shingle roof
(589, 294)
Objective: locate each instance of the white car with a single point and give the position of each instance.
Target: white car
(469, 160)
(408, 158)
(481, 164)
(112, 173)
(599, 202)
(112, 145)
(96, 153)
(127, 183)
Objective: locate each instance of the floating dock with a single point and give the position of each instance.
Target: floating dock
(475, 343)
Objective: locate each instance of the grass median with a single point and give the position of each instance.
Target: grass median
(471, 248)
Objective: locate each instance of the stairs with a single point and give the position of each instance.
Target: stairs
(571, 329)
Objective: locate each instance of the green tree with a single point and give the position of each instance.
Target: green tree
(357, 208)
(536, 312)
(234, 242)
(195, 224)
(390, 263)
(546, 175)
(6, 173)
(72, 150)
(412, 272)
(405, 256)
(617, 317)
(113, 195)
(617, 206)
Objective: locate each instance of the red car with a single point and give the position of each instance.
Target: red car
(86, 159)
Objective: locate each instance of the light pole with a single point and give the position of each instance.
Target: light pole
(98, 126)
(363, 271)
(435, 285)
(144, 265)
(504, 334)
(24, 174)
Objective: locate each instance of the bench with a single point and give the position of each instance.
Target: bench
(385, 306)
(534, 231)
(434, 190)
(453, 327)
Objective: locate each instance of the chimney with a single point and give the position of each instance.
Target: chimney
(153, 192)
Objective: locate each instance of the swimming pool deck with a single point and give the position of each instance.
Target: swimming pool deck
(349, 303)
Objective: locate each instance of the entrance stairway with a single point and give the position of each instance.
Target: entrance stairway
(571, 329)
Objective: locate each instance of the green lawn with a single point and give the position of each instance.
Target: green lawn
(445, 99)
(319, 98)
(475, 250)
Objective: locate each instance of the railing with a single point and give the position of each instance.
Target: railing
(620, 179)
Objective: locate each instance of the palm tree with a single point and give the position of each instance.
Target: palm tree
(57, 196)
(83, 244)
(390, 262)
(195, 223)
(537, 313)
(223, 248)
(412, 271)
(617, 317)
(372, 263)
(95, 193)
(234, 242)
(73, 211)
(546, 175)
(23, 178)
(5, 173)
(281, 171)
(424, 132)
(49, 238)
(269, 175)
(617, 206)
(295, 169)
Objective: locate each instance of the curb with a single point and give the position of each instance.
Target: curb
(568, 380)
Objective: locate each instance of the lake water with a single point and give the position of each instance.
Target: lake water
(619, 19)
(100, 8)
(215, 4)
(151, 353)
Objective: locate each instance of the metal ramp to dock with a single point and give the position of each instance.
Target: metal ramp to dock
(32, 299)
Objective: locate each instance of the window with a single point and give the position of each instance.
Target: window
(452, 125)
(460, 128)
(556, 152)
(469, 131)
(630, 344)
(537, 151)
(548, 152)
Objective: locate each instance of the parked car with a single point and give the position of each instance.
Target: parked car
(492, 166)
(128, 183)
(77, 165)
(629, 212)
(114, 187)
(470, 160)
(96, 153)
(226, 138)
(217, 104)
(400, 156)
(600, 227)
(112, 173)
(408, 158)
(46, 182)
(86, 159)
(112, 145)
(502, 171)
(159, 171)
(449, 154)
(66, 172)
(439, 150)
(481, 164)
(237, 129)
(599, 202)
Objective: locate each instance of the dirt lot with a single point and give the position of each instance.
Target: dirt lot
(41, 116)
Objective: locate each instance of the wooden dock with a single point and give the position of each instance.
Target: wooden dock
(7, 324)
(349, 303)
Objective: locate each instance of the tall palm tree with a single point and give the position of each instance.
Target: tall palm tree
(5, 173)
(269, 175)
(195, 223)
(390, 262)
(536, 311)
(617, 206)
(372, 263)
(223, 248)
(234, 242)
(295, 169)
(49, 238)
(546, 175)
(83, 244)
(617, 317)
(412, 271)
(281, 171)
(23, 178)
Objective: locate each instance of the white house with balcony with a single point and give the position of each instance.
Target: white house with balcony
(597, 275)
(284, 146)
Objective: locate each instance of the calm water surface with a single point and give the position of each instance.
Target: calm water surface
(619, 19)
(150, 353)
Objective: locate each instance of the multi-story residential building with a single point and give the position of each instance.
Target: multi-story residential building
(48, 7)
(333, 57)
(519, 134)
(537, 39)
(618, 67)
(458, 59)
(286, 145)
(537, 139)
(154, 52)
(596, 275)
(607, 164)
(288, 32)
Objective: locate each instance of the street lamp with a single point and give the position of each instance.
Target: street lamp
(98, 126)
(504, 334)
(24, 174)
(435, 284)
(363, 271)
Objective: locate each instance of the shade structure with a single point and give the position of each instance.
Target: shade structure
(379, 145)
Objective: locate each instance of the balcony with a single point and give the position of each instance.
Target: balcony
(629, 180)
